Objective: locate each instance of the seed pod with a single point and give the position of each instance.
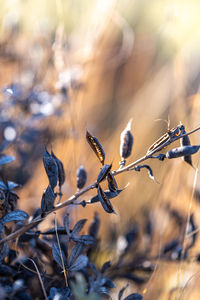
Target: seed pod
(51, 169)
(96, 147)
(185, 141)
(61, 171)
(48, 198)
(81, 177)
(112, 184)
(126, 143)
(104, 172)
(105, 202)
(182, 151)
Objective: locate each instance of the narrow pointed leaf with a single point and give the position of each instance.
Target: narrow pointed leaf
(96, 147)
(105, 202)
(79, 264)
(94, 226)
(134, 296)
(121, 292)
(104, 172)
(78, 227)
(76, 251)
(85, 239)
(57, 255)
(15, 215)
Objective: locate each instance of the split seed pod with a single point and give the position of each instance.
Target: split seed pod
(182, 151)
(81, 177)
(104, 172)
(96, 147)
(51, 169)
(185, 141)
(112, 184)
(126, 143)
(61, 171)
(105, 202)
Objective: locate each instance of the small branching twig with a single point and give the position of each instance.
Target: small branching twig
(94, 185)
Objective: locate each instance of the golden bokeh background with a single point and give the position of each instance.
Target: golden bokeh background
(135, 59)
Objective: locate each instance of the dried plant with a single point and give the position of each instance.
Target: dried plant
(64, 250)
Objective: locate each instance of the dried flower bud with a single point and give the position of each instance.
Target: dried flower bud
(81, 177)
(126, 142)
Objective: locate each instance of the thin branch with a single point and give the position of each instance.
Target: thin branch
(71, 199)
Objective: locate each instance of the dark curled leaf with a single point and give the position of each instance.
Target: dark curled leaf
(78, 227)
(126, 143)
(150, 172)
(51, 169)
(104, 172)
(48, 199)
(105, 202)
(182, 151)
(81, 177)
(57, 255)
(76, 251)
(79, 264)
(134, 296)
(105, 266)
(94, 227)
(60, 230)
(61, 171)
(121, 292)
(96, 147)
(112, 184)
(185, 141)
(5, 159)
(108, 194)
(16, 215)
(4, 251)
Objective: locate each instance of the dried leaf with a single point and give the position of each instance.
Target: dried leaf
(48, 198)
(66, 222)
(16, 215)
(104, 172)
(5, 159)
(79, 264)
(112, 184)
(61, 171)
(76, 251)
(96, 147)
(105, 266)
(81, 177)
(105, 202)
(57, 255)
(51, 169)
(182, 151)
(126, 143)
(78, 227)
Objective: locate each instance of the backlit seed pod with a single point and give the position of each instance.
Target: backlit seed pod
(112, 184)
(126, 143)
(185, 141)
(104, 172)
(182, 151)
(105, 202)
(96, 147)
(81, 177)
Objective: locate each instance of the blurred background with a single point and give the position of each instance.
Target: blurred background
(68, 66)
